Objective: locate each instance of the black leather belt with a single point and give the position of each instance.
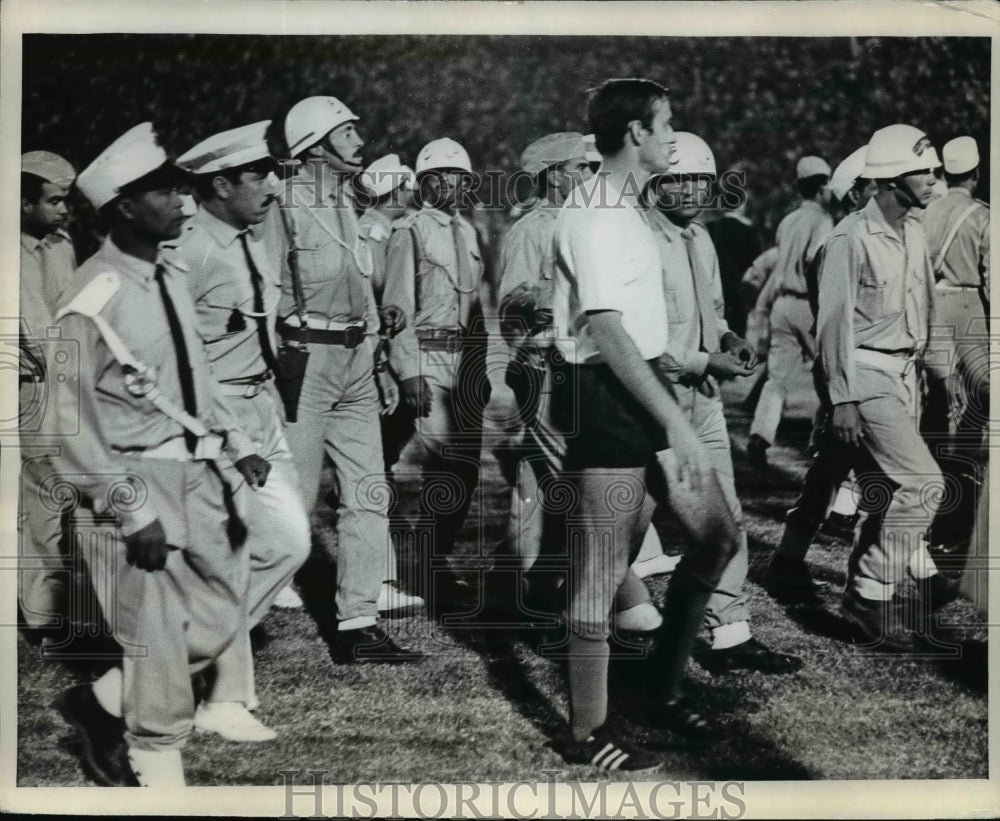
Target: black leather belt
(348, 337)
(795, 294)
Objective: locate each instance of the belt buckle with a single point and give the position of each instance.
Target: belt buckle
(353, 336)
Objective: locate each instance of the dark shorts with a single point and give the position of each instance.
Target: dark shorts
(605, 426)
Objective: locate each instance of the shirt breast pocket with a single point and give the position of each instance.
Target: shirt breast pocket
(871, 295)
(316, 254)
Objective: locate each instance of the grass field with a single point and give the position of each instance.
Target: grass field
(486, 705)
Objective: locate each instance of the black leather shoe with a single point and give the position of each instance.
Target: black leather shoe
(369, 645)
(757, 451)
(788, 582)
(881, 624)
(102, 736)
(936, 591)
(750, 655)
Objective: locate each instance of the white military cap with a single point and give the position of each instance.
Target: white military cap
(960, 155)
(443, 154)
(811, 167)
(386, 174)
(552, 149)
(897, 150)
(311, 119)
(132, 156)
(592, 154)
(847, 173)
(50, 167)
(228, 149)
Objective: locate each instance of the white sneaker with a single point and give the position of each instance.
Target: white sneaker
(162, 768)
(656, 566)
(393, 599)
(643, 618)
(288, 599)
(232, 721)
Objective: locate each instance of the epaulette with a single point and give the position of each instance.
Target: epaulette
(92, 297)
(985, 205)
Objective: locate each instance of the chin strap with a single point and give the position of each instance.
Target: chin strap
(911, 199)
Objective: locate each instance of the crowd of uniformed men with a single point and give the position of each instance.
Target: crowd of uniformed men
(265, 302)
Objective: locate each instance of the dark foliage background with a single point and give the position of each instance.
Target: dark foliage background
(760, 102)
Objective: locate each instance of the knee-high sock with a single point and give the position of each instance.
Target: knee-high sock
(683, 617)
(588, 685)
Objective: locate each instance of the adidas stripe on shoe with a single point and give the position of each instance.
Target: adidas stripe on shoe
(606, 752)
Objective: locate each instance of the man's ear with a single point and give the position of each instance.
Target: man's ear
(222, 186)
(26, 205)
(637, 132)
(124, 207)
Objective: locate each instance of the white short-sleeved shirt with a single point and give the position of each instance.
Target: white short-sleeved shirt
(606, 259)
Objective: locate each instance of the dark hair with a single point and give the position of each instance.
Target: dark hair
(809, 187)
(958, 179)
(543, 179)
(614, 104)
(31, 187)
(202, 183)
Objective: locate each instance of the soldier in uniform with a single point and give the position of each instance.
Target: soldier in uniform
(787, 578)
(152, 430)
(234, 282)
(47, 266)
(328, 304)
(388, 184)
(702, 349)
(876, 307)
(958, 239)
(435, 270)
(784, 300)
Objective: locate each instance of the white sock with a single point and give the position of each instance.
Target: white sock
(357, 623)
(845, 504)
(729, 635)
(157, 768)
(108, 691)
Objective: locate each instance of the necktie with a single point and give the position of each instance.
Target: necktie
(183, 361)
(702, 293)
(466, 273)
(257, 281)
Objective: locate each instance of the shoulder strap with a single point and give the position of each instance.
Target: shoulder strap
(140, 380)
(293, 266)
(948, 240)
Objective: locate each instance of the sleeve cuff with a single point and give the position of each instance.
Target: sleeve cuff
(697, 363)
(130, 522)
(238, 445)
